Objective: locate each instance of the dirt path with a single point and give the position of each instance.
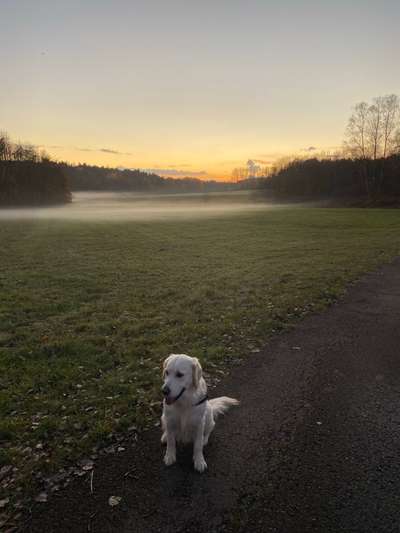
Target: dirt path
(313, 447)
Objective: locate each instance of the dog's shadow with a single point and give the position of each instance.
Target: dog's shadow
(181, 479)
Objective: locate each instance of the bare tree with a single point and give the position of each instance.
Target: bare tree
(239, 174)
(18, 152)
(390, 124)
(44, 156)
(30, 153)
(5, 147)
(373, 130)
(372, 135)
(356, 143)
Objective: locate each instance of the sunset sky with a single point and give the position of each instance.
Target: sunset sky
(191, 87)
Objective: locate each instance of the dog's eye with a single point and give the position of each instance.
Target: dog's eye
(179, 375)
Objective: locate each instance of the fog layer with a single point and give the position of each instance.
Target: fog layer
(106, 206)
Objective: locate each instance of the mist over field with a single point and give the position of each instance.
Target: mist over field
(114, 206)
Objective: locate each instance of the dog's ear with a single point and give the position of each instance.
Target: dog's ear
(197, 372)
(165, 363)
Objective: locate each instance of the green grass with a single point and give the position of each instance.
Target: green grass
(89, 310)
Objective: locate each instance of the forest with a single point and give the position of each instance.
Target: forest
(29, 178)
(94, 178)
(338, 178)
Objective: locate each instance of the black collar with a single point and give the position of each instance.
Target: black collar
(179, 395)
(201, 401)
(196, 404)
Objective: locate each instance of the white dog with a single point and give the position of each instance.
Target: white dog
(188, 414)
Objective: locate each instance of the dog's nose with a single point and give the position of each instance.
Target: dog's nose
(165, 390)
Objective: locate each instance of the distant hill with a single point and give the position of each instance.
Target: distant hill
(94, 178)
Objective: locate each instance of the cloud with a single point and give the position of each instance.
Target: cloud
(82, 149)
(175, 172)
(55, 146)
(322, 149)
(308, 149)
(103, 150)
(109, 151)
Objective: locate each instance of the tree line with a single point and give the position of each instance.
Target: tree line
(89, 177)
(338, 178)
(368, 165)
(29, 177)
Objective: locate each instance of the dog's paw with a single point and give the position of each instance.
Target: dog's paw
(164, 438)
(199, 464)
(169, 458)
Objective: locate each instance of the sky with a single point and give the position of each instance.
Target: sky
(191, 87)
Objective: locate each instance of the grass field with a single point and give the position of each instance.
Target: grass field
(88, 310)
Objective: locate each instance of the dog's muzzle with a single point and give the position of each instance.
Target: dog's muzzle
(166, 391)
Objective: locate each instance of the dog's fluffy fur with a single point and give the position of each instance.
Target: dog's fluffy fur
(184, 419)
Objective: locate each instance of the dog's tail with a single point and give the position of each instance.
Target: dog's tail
(222, 404)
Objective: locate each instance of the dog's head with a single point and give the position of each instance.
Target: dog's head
(180, 373)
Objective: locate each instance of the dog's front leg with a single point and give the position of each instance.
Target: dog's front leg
(198, 458)
(170, 454)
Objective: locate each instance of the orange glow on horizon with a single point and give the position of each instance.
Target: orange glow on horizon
(191, 164)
